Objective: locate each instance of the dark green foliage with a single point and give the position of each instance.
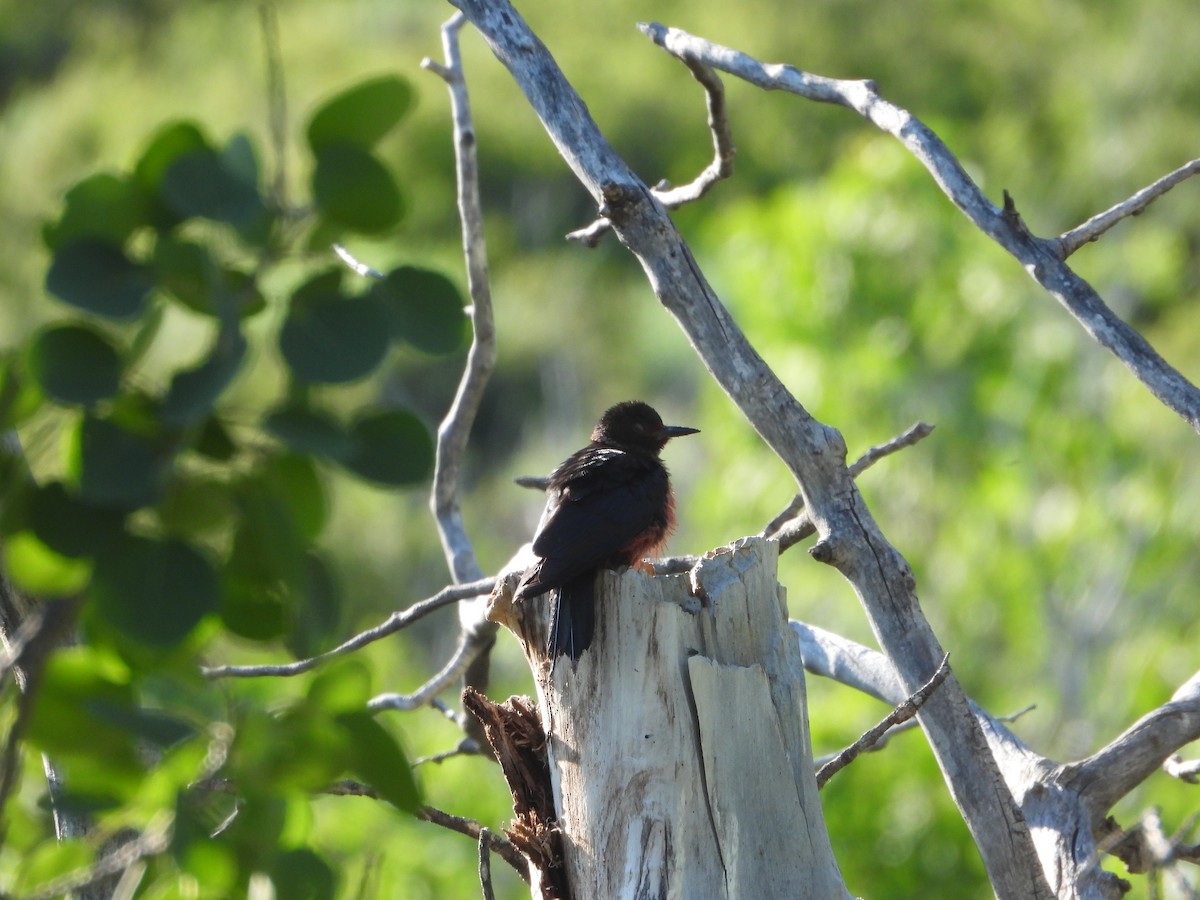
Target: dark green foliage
(425, 308)
(329, 338)
(391, 447)
(361, 115)
(96, 276)
(154, 592)
(354, 190)
(75, 364)
(179, 517)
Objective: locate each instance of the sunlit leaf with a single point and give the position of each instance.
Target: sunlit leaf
(168, 144)
(197, 505)
(294, 480)
(41, 572)
(75, 364)
(104, 206)
(76, 682)
(51, 860)
(362, 114)
(19, 395)
(343, 687)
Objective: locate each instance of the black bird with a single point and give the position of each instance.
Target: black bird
(610, 505)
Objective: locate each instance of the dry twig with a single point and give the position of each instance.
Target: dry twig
(719, 169)
(395, 622)
(901, 714)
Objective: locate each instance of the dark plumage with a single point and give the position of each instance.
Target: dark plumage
(610, 505)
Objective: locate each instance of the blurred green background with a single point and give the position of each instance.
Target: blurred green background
(1050, 518)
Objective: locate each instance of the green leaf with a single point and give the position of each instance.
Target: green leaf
(344, 687)
(425, 307)
(202, 183)
(331, 339)
(353, 189)
(104, 206)
(266, 565)
(309, 430)
(197, 505)
(316, 611)
(215, 442)
(379, 761)
(168, 144)
(68, 525)
(75, 364)
(96, 276)
(40, 571)
(294, 481)
(154, 726)
(190, 274)
(302, 875)
(362, 114)
(392, 447)
(194, 392)
(51, 860)
(77, 683)
(115, 467)
(251, 609)
(154, 592)
(20, 397)
(171, 142)
(299, 749)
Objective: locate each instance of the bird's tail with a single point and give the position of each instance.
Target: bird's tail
(572, 617)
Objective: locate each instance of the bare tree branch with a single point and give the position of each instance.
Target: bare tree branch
(395, 622)
(472, 660)
(901, 714)
(485, 865)
(481, 358)
(268, 17)
(815, 453)
(791, 525)
(496, 843)
(463, 656)
(1093, 228)
(719, 169)
(1186, 770)
(1063, 804)
(357, 266)
(1109, 774)
(1043, 258)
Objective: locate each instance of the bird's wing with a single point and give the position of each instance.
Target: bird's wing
(591, 520)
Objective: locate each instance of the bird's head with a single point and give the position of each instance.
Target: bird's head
(635, 425)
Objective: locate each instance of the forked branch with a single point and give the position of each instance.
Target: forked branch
(719, 169)
(1043, 258)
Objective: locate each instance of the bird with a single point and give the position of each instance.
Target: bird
(610, 505)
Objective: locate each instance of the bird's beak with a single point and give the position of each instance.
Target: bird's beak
(670, 431)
